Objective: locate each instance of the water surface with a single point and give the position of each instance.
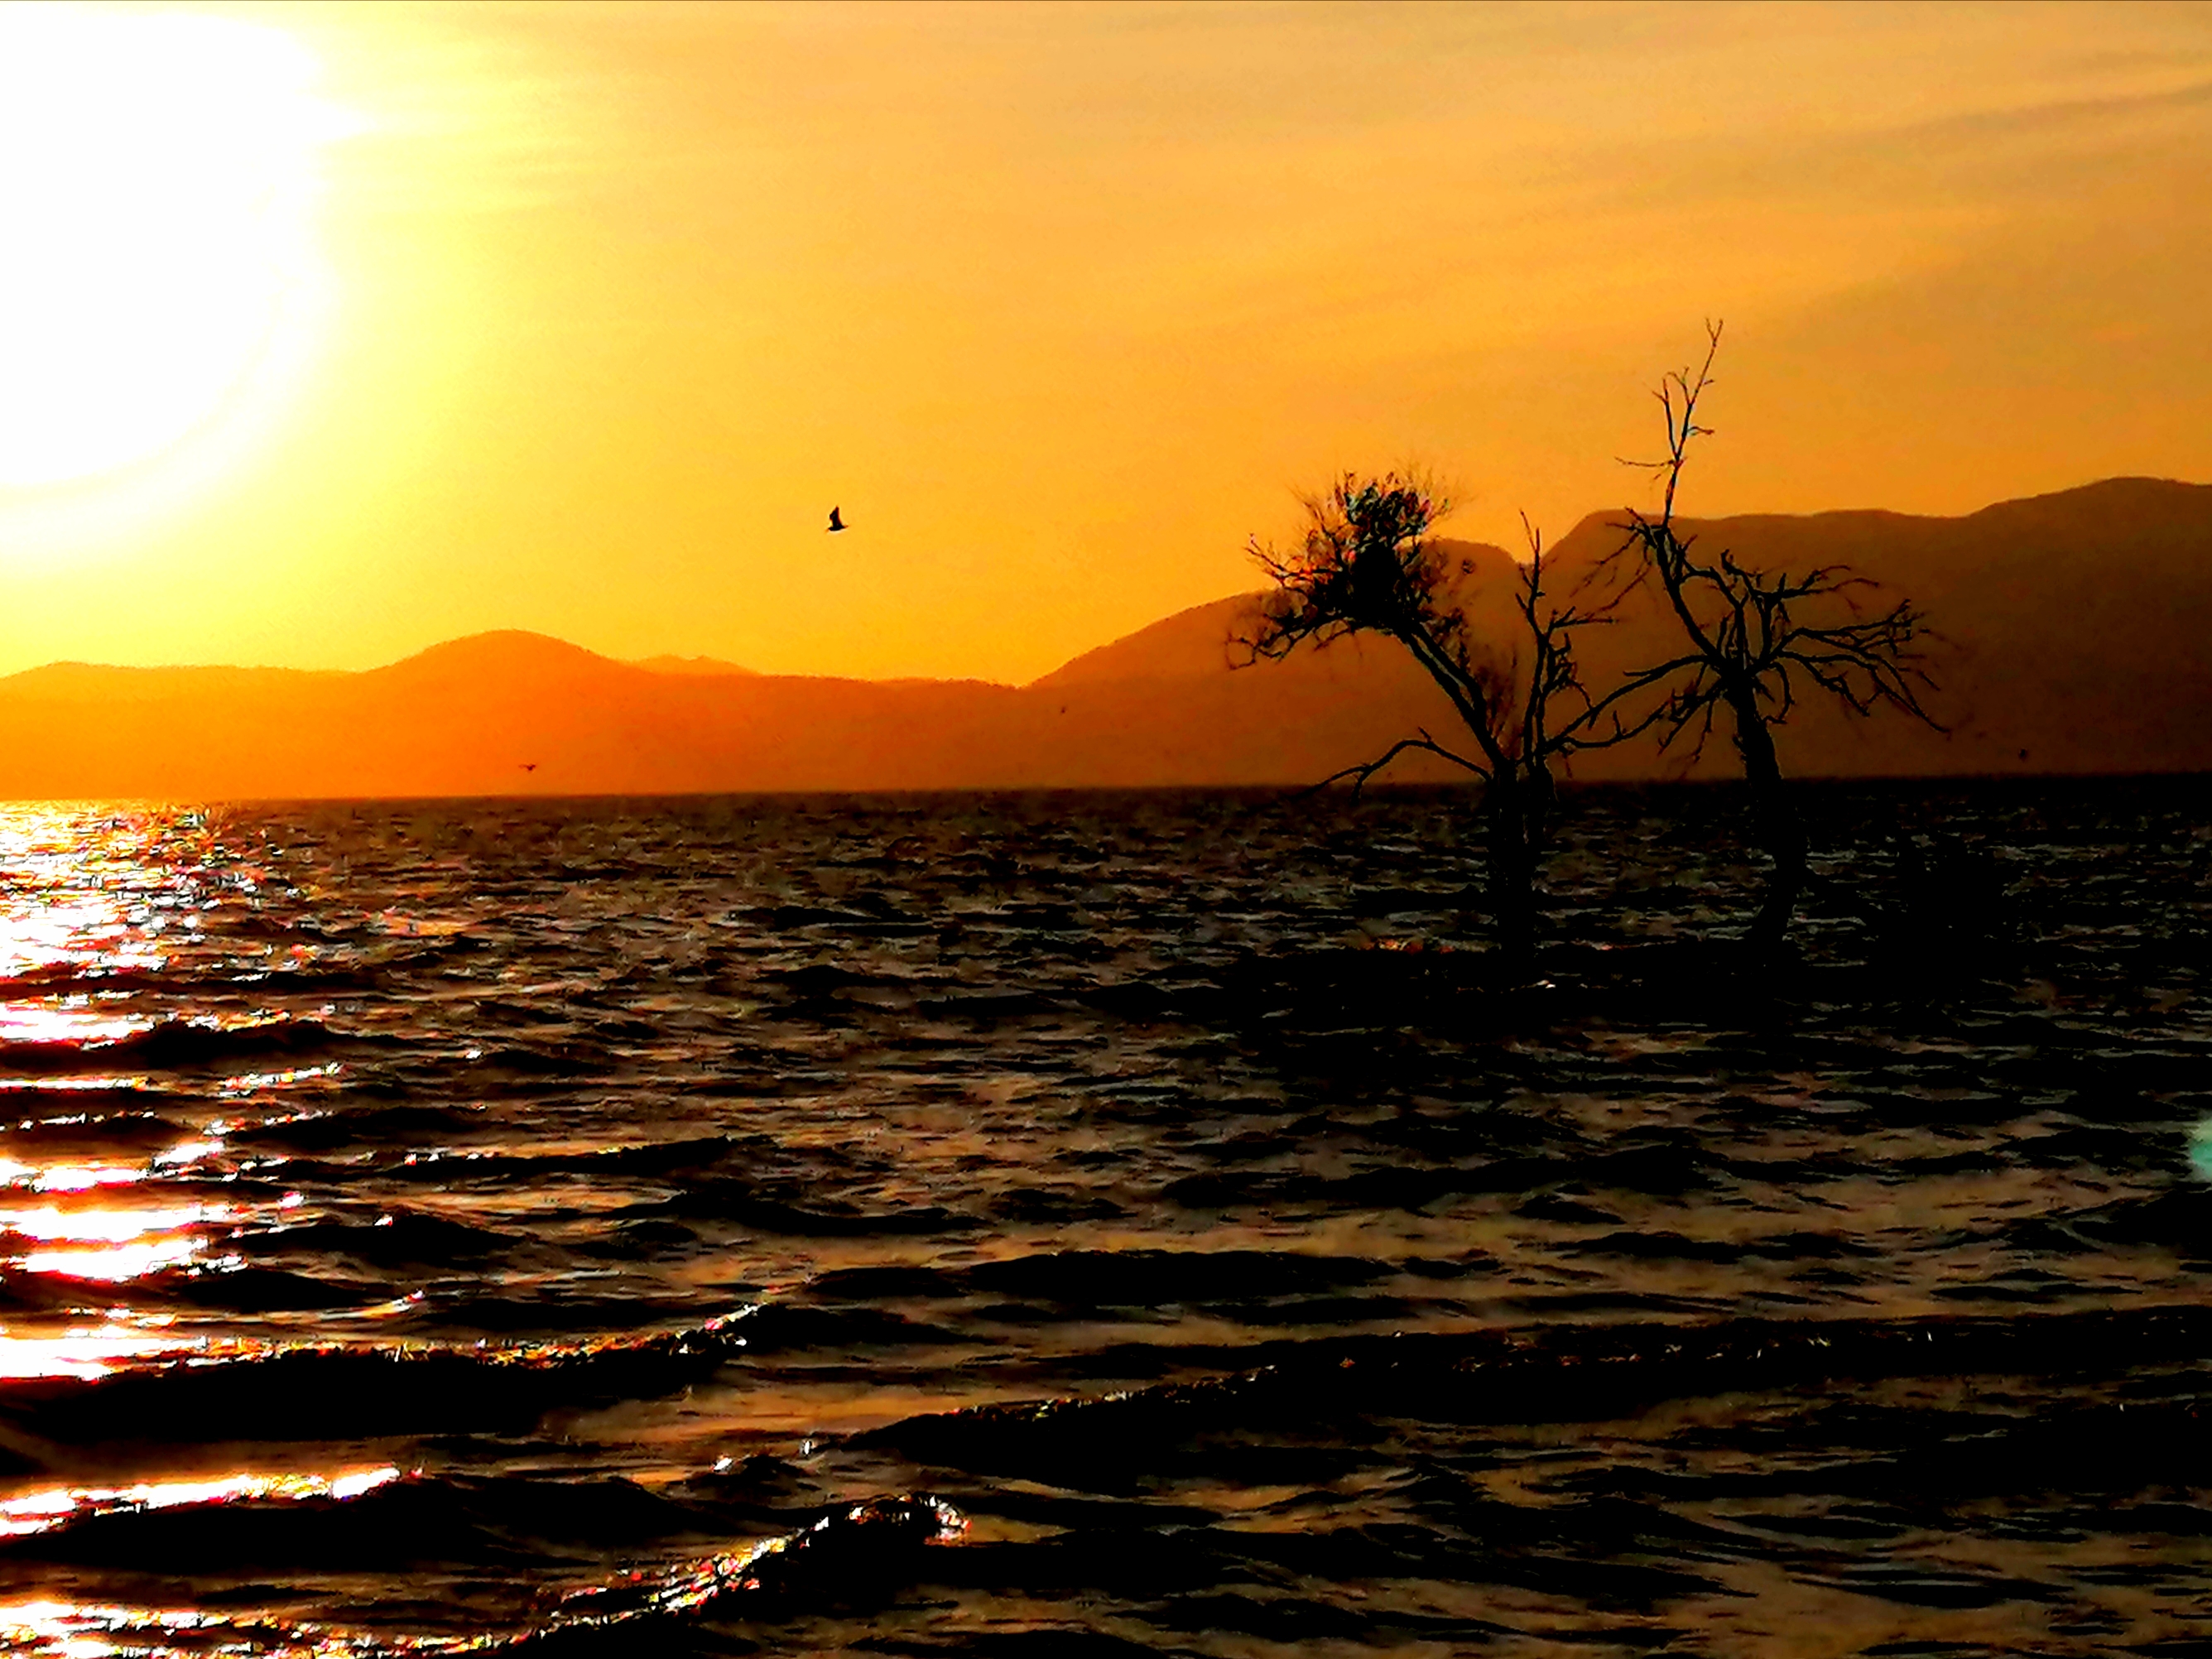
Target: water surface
(1102, 1223)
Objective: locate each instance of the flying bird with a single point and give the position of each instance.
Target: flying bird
(836, 523)
(528, 766)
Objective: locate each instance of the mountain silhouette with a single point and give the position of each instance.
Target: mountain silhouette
(2076, 637)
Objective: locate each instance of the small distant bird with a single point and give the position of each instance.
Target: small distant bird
(836, 523)
(529, 766)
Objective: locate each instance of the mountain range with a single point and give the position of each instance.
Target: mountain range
(2075, 637)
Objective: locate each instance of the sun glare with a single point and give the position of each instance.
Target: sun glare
(157, 177)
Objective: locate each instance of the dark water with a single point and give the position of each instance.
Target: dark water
(1089, 1224)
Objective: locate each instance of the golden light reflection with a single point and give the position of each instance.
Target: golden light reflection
(106, 1227)
(94, 1351)
(39, 1511)
(251, 1082)
(45, 930)
(91, 1630)
(111, 1242)
(108, 1083)
(83, 1354)
(74, 1019)
(64, 1628)
(82, 1178)
(115, 1263)
(86, 893)
(187, 1152)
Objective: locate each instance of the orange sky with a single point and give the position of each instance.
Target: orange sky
(610, 304)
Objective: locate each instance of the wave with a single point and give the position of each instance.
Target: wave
(348, 1391)
(81, 1132)
(397, 1238)
(1086, 1281)
(662, 1159)
(353, 1126)
(768, 1210)
(244, 1527)
(1539, 1374)
(853, 1553)
(256, 1527)
(171, 1042)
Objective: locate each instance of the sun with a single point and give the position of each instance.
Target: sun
(158, 173)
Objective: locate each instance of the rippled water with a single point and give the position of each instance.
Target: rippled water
(1102, 1223)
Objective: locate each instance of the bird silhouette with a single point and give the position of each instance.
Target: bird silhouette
(836, 523)
(528, 766)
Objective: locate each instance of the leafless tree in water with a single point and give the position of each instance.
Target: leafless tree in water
(1748, 651)
(1365, 564)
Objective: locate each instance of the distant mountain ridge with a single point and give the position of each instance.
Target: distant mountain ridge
(2077, 637)
(665, 664)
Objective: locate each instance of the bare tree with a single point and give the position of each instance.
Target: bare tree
(1366, 564)
(1748, 649)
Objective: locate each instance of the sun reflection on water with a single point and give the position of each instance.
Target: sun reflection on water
(187, 1152)
(39, 1511)
(91, 1630)
(89, 895)
(115, 1263)
(42, 930)
(64, 1629)
(94, 903)
(77, 1019)
(83, 1354)
(112, 1242)
(105, 1226)
(80, 1178)
(253, 1082)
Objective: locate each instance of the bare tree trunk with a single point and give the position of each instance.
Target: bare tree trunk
(1512, 874)
(1780, 829)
